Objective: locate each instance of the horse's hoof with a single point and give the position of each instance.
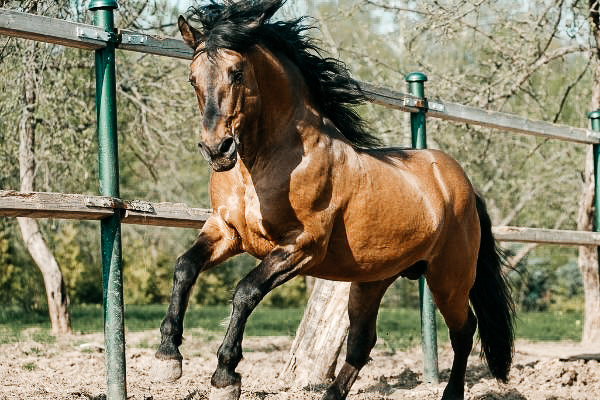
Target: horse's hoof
(331, 394)
(165, 370)
(231, 392)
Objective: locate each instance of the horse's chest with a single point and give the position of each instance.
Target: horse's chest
(254, 225)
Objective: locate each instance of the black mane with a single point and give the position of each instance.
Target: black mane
(239, 25)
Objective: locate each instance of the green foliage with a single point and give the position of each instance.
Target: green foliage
(81, 273)
(290, 294)
(539, 285)
(397, 328)
(30, 366)
(21, 283)
(147, 272)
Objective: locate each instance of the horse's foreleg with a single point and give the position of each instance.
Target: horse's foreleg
(278, 267)
(363, 305)
(210, 249)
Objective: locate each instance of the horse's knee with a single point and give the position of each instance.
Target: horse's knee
(246, 297)
(186, 271)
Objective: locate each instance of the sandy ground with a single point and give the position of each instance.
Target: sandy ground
(73, 368)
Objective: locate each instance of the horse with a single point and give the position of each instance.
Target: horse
(301, 184)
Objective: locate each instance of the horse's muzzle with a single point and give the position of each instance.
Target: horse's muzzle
(220, 157)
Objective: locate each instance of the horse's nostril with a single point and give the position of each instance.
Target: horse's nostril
(225, 145)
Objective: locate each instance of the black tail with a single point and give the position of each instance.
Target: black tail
(492, 302)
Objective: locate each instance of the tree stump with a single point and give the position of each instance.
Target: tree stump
(320, 336)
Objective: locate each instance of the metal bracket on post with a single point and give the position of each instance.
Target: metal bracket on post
(416, 88)
(95, 34)
(132, 39)
(116, 203)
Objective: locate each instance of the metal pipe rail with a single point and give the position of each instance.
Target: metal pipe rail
(90, 37)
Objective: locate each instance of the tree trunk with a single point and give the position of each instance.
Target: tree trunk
(320, 336)
(588, 256)
(58, 301)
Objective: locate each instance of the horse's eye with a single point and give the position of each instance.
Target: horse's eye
(237, 77)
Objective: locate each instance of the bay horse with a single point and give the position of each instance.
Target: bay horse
(299, 183)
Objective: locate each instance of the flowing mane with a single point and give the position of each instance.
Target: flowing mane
(242, 24)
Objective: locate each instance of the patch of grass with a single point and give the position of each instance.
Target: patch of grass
(30, 366)
(397, 328)
(550, 325)
(400, 328)
(145, 344)
(43, 336)
(36, 351)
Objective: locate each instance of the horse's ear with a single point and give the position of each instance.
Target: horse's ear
(271, 8)
(191, 36)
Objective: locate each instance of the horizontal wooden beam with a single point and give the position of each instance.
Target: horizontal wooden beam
(477, 116)
(511, 123)
(91, 37)
(51, 30)
(84, 207)
(169, 214)
(49, 205)
(546, 236)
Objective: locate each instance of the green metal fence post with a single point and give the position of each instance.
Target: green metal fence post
(594, 116)
(106, 112)
(416, 87)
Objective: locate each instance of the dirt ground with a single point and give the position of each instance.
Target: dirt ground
(73, 368)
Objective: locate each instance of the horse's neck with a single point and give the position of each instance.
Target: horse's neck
(287, 118)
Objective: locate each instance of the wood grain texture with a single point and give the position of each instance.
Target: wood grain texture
(50, 30)
(49, 205)
(85, 207)
(547, 236)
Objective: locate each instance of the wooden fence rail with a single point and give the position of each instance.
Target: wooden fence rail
(85, 207)
(91, 37)
(139, 212)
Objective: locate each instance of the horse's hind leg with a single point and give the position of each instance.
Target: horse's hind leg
(462, 343)
(213, 246)
(452, 298)
(363, 305)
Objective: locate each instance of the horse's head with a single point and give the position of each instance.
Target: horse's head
(228, 97)
(247, 69)
(224, 79)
